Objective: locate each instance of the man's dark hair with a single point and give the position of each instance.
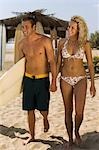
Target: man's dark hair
(32, 19)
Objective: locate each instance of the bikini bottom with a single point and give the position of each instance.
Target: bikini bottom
(72, 80)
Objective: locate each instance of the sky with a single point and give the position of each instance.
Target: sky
(63, 9)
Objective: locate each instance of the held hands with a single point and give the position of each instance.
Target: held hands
(92, 90)
(53, 87)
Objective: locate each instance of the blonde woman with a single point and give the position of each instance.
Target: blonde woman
(73, 81)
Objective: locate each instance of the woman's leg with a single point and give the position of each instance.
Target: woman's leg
(80, 96)
(67, 94)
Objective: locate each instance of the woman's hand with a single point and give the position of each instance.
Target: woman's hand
(92, 90)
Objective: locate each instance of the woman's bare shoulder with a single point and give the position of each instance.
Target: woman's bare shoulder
(87, 44)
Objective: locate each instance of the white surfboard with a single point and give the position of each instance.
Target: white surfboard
(39, 28)
(2, 45)
(18, 37)
(11, 82)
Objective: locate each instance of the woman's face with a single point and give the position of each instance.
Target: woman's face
(72, 29)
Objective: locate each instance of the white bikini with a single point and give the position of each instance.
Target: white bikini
(79, 55)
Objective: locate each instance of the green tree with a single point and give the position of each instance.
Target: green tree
(94, 38)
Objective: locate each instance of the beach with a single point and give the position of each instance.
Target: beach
(13, 124)
(13, 120)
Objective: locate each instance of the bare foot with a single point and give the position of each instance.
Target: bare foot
(46, 125)
(69, 145)
(30, 139)
(78, 140)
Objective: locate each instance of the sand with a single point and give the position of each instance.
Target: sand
(13, 120)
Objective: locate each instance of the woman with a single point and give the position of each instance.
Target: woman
(73, 81)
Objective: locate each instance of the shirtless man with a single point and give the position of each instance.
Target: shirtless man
(38, 52)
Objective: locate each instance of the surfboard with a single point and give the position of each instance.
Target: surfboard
(39, 28)
(2, 45)
(11, 82)
(18, 37)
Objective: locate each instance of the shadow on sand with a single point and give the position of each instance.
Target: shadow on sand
(90, 140)
(10, 131)
(57, 143)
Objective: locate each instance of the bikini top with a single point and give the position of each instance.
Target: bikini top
(79, 54)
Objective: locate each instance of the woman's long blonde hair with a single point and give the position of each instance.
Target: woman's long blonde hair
(83, 29)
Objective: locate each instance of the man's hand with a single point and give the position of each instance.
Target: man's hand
(53, 87)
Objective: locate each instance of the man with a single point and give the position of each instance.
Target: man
(38, 52)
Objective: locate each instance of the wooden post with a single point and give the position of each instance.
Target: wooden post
(1, 38)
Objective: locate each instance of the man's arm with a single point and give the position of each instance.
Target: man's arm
(51, 60)
(59, 57)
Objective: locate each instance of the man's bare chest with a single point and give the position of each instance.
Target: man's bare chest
(33, 50)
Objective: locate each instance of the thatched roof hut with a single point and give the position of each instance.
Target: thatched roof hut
(48, 22)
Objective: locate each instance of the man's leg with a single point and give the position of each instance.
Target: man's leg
(45, 120)
(31, 124)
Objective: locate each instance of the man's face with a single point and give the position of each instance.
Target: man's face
(27, 28)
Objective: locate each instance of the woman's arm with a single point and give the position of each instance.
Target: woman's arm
(88, 52)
